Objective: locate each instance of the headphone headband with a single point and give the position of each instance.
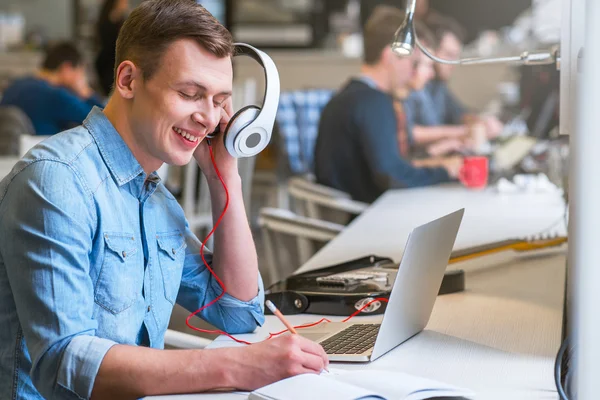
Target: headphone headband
(267, 114)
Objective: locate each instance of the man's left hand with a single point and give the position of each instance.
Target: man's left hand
(493, 126)
(226, 163)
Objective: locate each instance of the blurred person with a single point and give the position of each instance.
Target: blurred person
(58, 96)
(429, 140)
(112, 16)
(440, 106)
(440, 123)
(363, 142)
(95, 252)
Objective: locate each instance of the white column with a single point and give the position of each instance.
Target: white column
(585, 211)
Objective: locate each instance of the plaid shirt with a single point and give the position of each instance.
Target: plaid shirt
(298, 120)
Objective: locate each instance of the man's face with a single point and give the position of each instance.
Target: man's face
(69, 75)
(423, 72)
(450, 49)
(180, 104)
(400, 69)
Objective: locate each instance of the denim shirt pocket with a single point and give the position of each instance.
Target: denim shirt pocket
(121, 278)
(171, 255)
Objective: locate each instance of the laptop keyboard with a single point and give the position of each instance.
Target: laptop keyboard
(355, 339)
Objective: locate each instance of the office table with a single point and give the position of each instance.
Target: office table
(499, 337)
(489, 217)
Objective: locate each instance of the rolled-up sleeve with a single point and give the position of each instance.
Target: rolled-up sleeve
(198, 287)
(51, 227)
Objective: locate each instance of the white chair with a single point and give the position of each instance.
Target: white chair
(6, 164)
(26, 142)
(13, 124)
(310, 198)
(307, 233)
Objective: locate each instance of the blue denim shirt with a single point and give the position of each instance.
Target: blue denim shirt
(93, 252)
(435, 105)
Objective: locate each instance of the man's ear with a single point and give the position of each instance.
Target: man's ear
(128, 76)
(387, 54)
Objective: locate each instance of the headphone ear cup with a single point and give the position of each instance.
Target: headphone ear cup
(234, 117)
(240, 120)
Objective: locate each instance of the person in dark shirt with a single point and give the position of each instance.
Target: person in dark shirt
(58, 96)
(112, 16)
(362, 131)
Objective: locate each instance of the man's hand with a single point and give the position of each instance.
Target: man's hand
(445, 146)
(453, 165)
(226, 163)
(493, 126)
(477, 138)
(272, 360)
(81, 87)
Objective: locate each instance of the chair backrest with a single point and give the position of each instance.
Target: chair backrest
(316, 201)
(13, 124)
(6, 165)
(26, 142)
(298, 126)
(289, 240)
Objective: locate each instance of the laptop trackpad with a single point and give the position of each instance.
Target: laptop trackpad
(315, 337)
(322, 330)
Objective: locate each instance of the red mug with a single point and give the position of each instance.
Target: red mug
(474, 172)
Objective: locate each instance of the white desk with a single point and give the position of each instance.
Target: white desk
(500, 336)
(384, 227)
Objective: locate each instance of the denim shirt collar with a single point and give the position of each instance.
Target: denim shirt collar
(117, 156)
(367, 80)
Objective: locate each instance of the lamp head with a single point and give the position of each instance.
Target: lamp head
(404, 39)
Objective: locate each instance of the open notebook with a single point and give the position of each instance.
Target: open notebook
(358, 385)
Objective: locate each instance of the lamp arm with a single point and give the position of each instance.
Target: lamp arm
(526, 58)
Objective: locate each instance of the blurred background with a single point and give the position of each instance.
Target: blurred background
(317, 46)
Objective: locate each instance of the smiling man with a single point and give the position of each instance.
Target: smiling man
(94, 251)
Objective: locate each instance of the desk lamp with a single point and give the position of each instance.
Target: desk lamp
(406, 37)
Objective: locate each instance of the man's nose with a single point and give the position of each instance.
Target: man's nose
(210, 119)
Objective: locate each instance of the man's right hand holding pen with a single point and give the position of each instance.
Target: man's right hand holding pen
(263, 363)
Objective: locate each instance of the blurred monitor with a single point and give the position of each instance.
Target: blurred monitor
(480, 15)
(474, 15)
(278, 23)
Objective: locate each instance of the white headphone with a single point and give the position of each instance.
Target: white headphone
(249, 130)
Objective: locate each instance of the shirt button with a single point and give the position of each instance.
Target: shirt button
(149, 308)
(124, 254)
(173, 251)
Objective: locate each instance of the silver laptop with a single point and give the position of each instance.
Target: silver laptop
(415, 289)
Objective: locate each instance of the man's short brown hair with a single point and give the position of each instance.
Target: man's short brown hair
(155, 24)
(440, 25)
(60, 53)
(380, 28)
